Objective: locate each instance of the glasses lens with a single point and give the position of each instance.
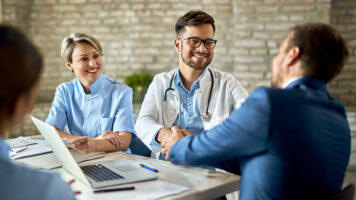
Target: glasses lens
(209, 44)
(194, 42)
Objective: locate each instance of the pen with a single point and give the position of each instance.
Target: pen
(18, 151)
(115, 189)
(149, 168)
(21, 150)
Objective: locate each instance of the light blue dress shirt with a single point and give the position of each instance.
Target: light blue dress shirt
(108, 107)
(18, 182)
(189, 114)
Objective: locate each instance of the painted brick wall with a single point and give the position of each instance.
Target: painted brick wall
(343, 17)
(15, 12)
(139, 34)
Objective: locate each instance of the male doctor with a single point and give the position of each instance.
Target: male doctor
(193, 96)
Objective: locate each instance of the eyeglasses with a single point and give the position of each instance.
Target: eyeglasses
(195, 42)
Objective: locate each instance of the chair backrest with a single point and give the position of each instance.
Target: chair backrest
(138, 147)
(346, 194)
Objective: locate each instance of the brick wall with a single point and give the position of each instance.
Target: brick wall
(139, 34)
(351, 116)
(343, 17)
(15, 12)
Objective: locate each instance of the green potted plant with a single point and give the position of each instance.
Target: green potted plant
(139, 83)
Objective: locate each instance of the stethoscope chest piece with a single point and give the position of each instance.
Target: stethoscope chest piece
(206, 117)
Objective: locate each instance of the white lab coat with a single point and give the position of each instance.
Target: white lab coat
(227, 95)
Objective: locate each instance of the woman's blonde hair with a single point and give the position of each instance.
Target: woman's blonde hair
(69, 43)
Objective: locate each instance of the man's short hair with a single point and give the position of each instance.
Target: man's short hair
(322, 49)
(69, 43)
(193, 18)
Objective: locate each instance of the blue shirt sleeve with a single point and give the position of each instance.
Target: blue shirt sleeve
(57, 115)
(124, 120)
(244, 133)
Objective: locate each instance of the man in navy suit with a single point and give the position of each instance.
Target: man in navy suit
(291, 141)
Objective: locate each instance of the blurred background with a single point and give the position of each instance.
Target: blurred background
(137, 38)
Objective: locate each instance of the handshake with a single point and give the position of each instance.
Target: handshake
(169, 136)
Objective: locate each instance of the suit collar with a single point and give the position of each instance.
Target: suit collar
(308, 81)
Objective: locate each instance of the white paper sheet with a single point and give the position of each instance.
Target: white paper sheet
(20, 142)
(148, 190)
(31, 150)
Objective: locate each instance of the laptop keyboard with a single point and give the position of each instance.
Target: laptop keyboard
(99, 173)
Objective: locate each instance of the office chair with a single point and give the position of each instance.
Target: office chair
(138, 147)
(346, 194)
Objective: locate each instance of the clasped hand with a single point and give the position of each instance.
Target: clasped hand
(170, 139)
(89, 145)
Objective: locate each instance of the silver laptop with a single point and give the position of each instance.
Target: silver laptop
(97, 175)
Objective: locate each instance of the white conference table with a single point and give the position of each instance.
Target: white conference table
(202, 183)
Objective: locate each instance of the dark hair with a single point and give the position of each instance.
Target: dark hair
(20, 65)
(323, 50)
(193, 18)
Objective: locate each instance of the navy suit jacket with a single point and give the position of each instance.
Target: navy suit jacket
(291, 143)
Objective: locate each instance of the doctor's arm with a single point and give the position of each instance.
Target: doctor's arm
(244, 133)
(238, 93)
(147, 124)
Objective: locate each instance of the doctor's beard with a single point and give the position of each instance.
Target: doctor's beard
(191, 64)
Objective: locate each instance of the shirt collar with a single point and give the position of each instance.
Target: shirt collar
(291, 81)
(310, 82)
(178, 81)
(94, 87)
(4, 148)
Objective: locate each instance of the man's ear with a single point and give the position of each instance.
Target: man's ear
(69, 66)
(293, 55)
(176, 44)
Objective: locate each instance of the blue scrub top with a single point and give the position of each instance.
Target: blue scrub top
(18, 182)
(108, 107)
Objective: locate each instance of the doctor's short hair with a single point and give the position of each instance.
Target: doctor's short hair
(322, 49)
(69, 43)
(193, 18)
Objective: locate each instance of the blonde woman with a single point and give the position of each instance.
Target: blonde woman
(96, 109)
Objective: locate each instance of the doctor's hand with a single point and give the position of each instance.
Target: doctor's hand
(163, 134)
(113, 137)
(83, 144)
(186, 132)
(168, 142)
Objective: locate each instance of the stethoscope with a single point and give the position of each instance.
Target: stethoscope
(206, 117)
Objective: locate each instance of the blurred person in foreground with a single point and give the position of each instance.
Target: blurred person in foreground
(20, 69)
